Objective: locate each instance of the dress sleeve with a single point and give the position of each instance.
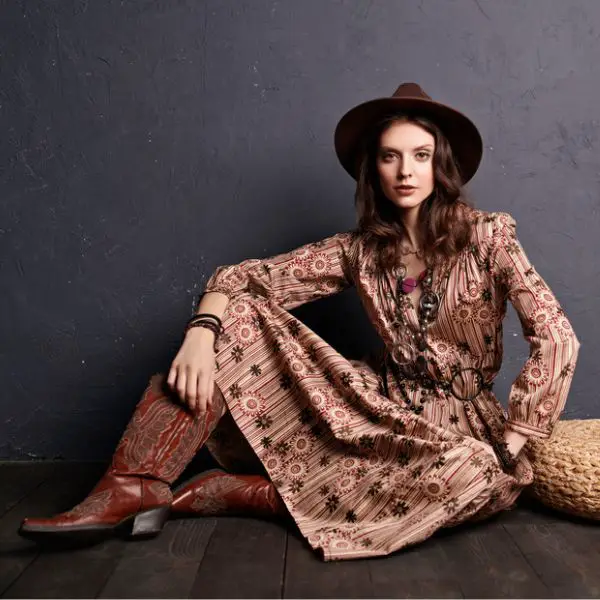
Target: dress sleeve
(300, 276)
(539, 393)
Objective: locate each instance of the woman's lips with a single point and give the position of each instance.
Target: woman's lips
(405, 191)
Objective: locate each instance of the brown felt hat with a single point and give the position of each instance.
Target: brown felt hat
(464, 137)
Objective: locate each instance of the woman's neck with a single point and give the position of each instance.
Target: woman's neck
(410, 220)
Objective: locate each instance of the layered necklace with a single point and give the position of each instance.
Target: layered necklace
(428, 306)
(429, 300)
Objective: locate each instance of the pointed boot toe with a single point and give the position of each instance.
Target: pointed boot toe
(128, 506)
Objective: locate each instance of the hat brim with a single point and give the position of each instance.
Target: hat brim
(462, 134)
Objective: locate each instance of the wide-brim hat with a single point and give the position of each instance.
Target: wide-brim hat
(462, 134)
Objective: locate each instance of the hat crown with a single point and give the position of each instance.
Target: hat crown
(410, 90)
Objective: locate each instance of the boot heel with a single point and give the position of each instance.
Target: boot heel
(150, 522)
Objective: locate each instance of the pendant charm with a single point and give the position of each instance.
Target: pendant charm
(429, 303)
(407, 285)
(399, 271)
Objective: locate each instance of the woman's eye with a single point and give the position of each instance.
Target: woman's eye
(390, 157)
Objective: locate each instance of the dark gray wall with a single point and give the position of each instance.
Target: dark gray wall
(144, 143)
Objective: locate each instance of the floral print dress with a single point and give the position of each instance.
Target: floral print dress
(360, 473)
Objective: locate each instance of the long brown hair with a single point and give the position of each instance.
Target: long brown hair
(444, 228)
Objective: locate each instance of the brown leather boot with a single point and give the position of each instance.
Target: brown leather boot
(134, 495)
(216, 492)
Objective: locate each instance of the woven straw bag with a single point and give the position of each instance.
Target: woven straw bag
(567, 468)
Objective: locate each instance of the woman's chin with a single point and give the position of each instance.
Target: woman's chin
(407, 203)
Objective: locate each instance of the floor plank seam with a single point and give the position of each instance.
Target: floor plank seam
(456, 580)
(370, 573)
(537, 574)
(16, 502)
(204, 554)
(26, 495)
(4, 592)
(284, 569)
(109, 576)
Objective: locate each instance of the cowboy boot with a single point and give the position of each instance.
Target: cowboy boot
(134, 495)
(216, 492)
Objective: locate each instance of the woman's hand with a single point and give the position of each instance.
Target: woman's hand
(193, 369)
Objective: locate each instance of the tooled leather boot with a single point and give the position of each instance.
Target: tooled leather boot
(216, 492)
(134, 497)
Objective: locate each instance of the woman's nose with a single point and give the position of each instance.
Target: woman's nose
(404, 170)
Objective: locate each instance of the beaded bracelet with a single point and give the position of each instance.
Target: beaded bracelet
(208, 325)
(209, 315)
(204, 316)
(218, 328)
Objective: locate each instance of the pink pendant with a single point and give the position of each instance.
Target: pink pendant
(410, 283)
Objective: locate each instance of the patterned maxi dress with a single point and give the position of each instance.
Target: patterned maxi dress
(360, 473)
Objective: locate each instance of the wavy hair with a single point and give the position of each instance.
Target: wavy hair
(443, 224)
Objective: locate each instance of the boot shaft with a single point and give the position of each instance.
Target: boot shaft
(163, 435)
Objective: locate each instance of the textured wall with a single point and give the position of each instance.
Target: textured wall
(146, 142)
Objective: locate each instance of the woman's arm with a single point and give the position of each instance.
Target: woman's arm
(214, 303)
(538, 395)
(312, 271)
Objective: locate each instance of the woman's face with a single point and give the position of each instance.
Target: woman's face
(405, 157)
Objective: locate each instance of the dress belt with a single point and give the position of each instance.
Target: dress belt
(420, 374)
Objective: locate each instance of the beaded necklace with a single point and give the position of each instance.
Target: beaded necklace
(428, 305)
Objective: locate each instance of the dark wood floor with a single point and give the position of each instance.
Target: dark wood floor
(525, 553)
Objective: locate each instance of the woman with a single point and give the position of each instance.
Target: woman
(366, 456)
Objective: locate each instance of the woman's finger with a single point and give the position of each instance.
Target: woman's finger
(172, 378)
(202, 400)
(180, 384)
(192, 389)
(199, 390)
(210, 392)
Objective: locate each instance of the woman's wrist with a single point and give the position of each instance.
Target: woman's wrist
(508, 449)
(200, 333)
(514, 441)
(207, 321)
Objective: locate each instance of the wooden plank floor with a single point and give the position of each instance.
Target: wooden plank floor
(529, 552)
